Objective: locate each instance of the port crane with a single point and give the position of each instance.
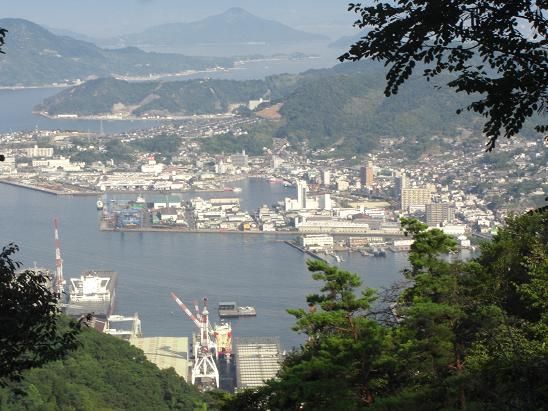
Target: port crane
(59, 281)
(204, 368)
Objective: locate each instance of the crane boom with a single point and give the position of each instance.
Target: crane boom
(186, 310)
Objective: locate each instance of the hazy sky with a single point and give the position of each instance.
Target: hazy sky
(103, 18)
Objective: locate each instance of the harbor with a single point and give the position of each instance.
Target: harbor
(91, 298)
(264, 272)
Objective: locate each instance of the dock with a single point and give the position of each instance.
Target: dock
(305, 251)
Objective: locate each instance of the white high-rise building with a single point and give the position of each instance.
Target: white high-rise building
(302, 189)
(326, 178)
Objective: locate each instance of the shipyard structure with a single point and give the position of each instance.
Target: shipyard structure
(207, 360)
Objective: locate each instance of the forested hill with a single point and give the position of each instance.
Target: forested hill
(351, 112)
(111, 96)
(105, 373)
(35, 56)
(343, 106)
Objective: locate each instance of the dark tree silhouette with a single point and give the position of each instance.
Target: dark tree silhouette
(497, 49)
(3, 33)
(31, 332)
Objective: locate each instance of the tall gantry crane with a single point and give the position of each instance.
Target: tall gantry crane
(204, 368)
(59, 281)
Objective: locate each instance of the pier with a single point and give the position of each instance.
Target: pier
(305, 251)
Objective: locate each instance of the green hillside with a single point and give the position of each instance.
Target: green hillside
(343, 107)
(105, 373)
(104, 96)
(351, 112)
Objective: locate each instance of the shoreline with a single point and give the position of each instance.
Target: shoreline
(49, 190)
(52, 191)
(194, 231)
(136, 78)
(106, 117)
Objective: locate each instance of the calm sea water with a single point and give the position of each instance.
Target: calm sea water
(251, 269)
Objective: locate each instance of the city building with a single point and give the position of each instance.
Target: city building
(302, 189)
(326, 178)
(38, 152)
(342, 185)
(367, 175)
(152, 167)
(439, 213)
(400, 182)
(415, 197)
(240, 160)
(7, 166)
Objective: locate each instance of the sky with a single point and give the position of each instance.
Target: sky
(105, 18)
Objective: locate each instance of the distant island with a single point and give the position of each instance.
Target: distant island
(36, 57)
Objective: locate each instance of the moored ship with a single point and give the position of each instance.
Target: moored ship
(93, 293)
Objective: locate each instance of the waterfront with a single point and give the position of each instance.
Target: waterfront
(253, 270)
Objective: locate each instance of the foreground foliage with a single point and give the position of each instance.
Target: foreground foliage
(105, 373)
(461, 335)
(496, 49)
(31, 332)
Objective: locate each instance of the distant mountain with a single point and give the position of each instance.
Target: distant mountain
(35, 56)
(234, 26)
(70, 33)
(346, 41)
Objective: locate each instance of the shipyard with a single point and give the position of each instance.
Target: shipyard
(207, 358)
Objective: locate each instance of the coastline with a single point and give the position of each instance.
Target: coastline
(169, 229)
(112, 117)
(48, 190)
(53, 191)
(40, 86)
(136, 78)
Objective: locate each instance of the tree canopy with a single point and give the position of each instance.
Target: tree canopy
(467, 334)
(32, 333)
(496, 49)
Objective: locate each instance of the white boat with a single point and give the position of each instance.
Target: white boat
(100, 205)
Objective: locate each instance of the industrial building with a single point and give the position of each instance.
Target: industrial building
(316, 241)
(258, 359)
(166, 352)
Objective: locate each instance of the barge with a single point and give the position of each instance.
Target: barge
(230, 309)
